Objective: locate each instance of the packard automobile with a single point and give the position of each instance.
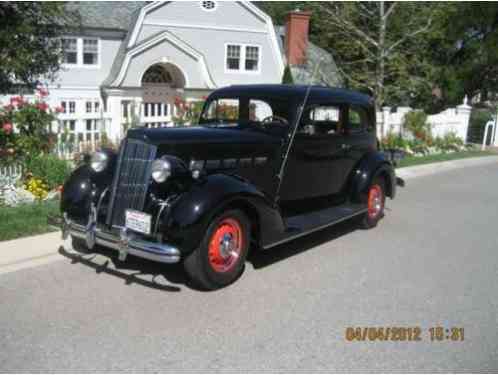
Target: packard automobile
(265, 165)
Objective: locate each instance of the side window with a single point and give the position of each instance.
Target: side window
(357, 119)
(222, 110)
(259, 110)
(321, 120)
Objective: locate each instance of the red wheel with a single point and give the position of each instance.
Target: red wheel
(225, 245)
(220, 258)
(375, 204)
(375, 201)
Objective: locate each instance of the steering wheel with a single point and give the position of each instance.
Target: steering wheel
(278, 120)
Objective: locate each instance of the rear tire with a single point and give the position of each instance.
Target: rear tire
(376, 199)
(220, 258)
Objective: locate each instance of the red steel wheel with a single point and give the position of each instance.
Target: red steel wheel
(375, 201)
(225, 245)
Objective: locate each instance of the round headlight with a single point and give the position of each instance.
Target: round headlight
(161, 170)
(99, 161)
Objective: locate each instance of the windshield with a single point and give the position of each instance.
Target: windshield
(258, 112)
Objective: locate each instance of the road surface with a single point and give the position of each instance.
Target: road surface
(433, 261)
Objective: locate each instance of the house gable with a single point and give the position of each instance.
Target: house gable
(210, 32)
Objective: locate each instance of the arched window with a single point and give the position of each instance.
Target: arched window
(157, 74)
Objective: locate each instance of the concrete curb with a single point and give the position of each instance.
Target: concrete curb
(29, 251)
(37, 250)
(444, 166)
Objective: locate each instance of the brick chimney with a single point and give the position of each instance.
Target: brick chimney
(296, 36)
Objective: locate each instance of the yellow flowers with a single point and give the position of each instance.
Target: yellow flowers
(37, 187)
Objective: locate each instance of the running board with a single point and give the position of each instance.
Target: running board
(301, 225)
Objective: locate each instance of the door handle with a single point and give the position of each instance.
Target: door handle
(345, 147)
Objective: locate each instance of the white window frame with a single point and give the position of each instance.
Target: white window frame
(242, 65)
(79, 54)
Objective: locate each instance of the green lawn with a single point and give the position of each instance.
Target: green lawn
(412, 160)
(26, 220)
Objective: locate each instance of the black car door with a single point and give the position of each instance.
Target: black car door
(358, 139)
(314, 168)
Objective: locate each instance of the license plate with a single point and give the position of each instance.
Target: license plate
(138, 221)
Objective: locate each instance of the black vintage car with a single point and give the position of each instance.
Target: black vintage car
(265, 165)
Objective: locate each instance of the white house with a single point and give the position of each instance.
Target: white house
(131, 58)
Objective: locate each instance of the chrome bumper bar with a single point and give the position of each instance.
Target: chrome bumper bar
(126, 243)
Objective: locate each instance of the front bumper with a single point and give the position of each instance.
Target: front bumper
(125, 243)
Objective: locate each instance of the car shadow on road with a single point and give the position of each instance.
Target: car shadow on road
(137, 271)
(264, 258)
(134, 271)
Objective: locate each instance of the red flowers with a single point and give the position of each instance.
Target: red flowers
(42, 106)
(17, 101)
(42, 92)
(59, 109)
(7, 128)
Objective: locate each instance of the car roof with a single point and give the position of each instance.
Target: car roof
(317, 93)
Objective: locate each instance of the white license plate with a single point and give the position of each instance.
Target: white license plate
(138, 221)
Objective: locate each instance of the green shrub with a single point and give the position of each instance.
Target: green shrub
(477, 122)
(416, 123)
(49, 168)
(287, 77)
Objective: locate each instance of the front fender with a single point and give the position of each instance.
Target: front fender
(190, 215)
(370, 166)
(83, 187)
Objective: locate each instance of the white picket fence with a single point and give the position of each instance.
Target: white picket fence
(452, 120)
(9, 175)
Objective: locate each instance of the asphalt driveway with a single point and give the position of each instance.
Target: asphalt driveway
(433, 261)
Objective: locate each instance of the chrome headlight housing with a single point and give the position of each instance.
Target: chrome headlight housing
(99, 161)
(161, 170)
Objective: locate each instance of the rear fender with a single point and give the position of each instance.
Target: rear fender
(190, 215)
(372, 165)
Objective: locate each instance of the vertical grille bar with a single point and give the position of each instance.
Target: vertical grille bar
(131, 182)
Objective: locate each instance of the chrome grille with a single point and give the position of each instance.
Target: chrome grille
(130, 183)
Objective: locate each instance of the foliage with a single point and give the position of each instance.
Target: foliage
(36, 187)
(378, 46)
(27, 219)
(434, 158)
(463, 51)
(478, 120)
(32, 121)
(29, 36)
(187, 112)
(49, 168)
(416, 123)
(287, 77)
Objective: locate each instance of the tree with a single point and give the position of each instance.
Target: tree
(287, 77)
(378, 46)
(29, 36)
(463, 50)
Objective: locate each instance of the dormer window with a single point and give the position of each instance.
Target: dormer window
(70, 48)
(81, 52)
(90, 51)
(208, 6)
(242, 58)
(233, 57)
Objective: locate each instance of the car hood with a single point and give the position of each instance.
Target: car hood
(209, 143)
(202, 135)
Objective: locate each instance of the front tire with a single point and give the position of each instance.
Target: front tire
(376, 199)
(220, 258)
